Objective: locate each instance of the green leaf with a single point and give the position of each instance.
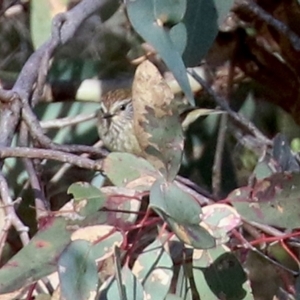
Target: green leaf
(218, 220)
(169, 11)
(106, 242)
(88, 199)
(154, 269)
(78, 271)
(191, 116)
(182, 212)
(201, 25)
(122, 206)
(193, 235)
(142, 16)
(37, 259)
(130, 285)
(201, 21)
(178, 36)
(121, 209)
(165, 143)
(174, 202)
(218, 274)
(273, 201)
(127, 170)
(173, 297)
(183, 285)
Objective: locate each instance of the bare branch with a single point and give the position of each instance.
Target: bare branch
(41, 204)
(65, 167)
(10, 211)
(239, 119)
(217, 166)
(68, 121)
(37, 134)
(75, 160)
(7, 96)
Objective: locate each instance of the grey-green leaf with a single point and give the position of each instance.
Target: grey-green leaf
(78, 271)
(142, 16)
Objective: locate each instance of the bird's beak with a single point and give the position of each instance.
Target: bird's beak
(107, 116)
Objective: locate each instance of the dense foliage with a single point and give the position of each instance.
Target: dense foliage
(211, 208)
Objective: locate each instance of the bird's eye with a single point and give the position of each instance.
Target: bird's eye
(123, 107)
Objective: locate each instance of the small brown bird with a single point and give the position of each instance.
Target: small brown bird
(115, 122)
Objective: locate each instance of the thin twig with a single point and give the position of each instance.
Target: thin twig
(261, 14)
(65, 167)
(220, 146)
(240, 119)
(248, 245)
(41, 203)
(202, 200)
(68, 121)
(192, 185)
(265, 228)
(73, 159)
(3, 234)
(10, 211)
(217, 165)
(38, 135)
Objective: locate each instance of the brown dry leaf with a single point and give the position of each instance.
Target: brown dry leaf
(149, 90)
(156, 121)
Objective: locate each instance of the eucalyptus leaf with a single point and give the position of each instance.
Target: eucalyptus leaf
(154, 268)
(78, 271)
(131, 287)
(88, 198)
(169, 11)
(201, 26)
(218, 272)
(38, 258)
(125, 169)
(142, 16)
(175, 203)
(182, 212)
(273, 201)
